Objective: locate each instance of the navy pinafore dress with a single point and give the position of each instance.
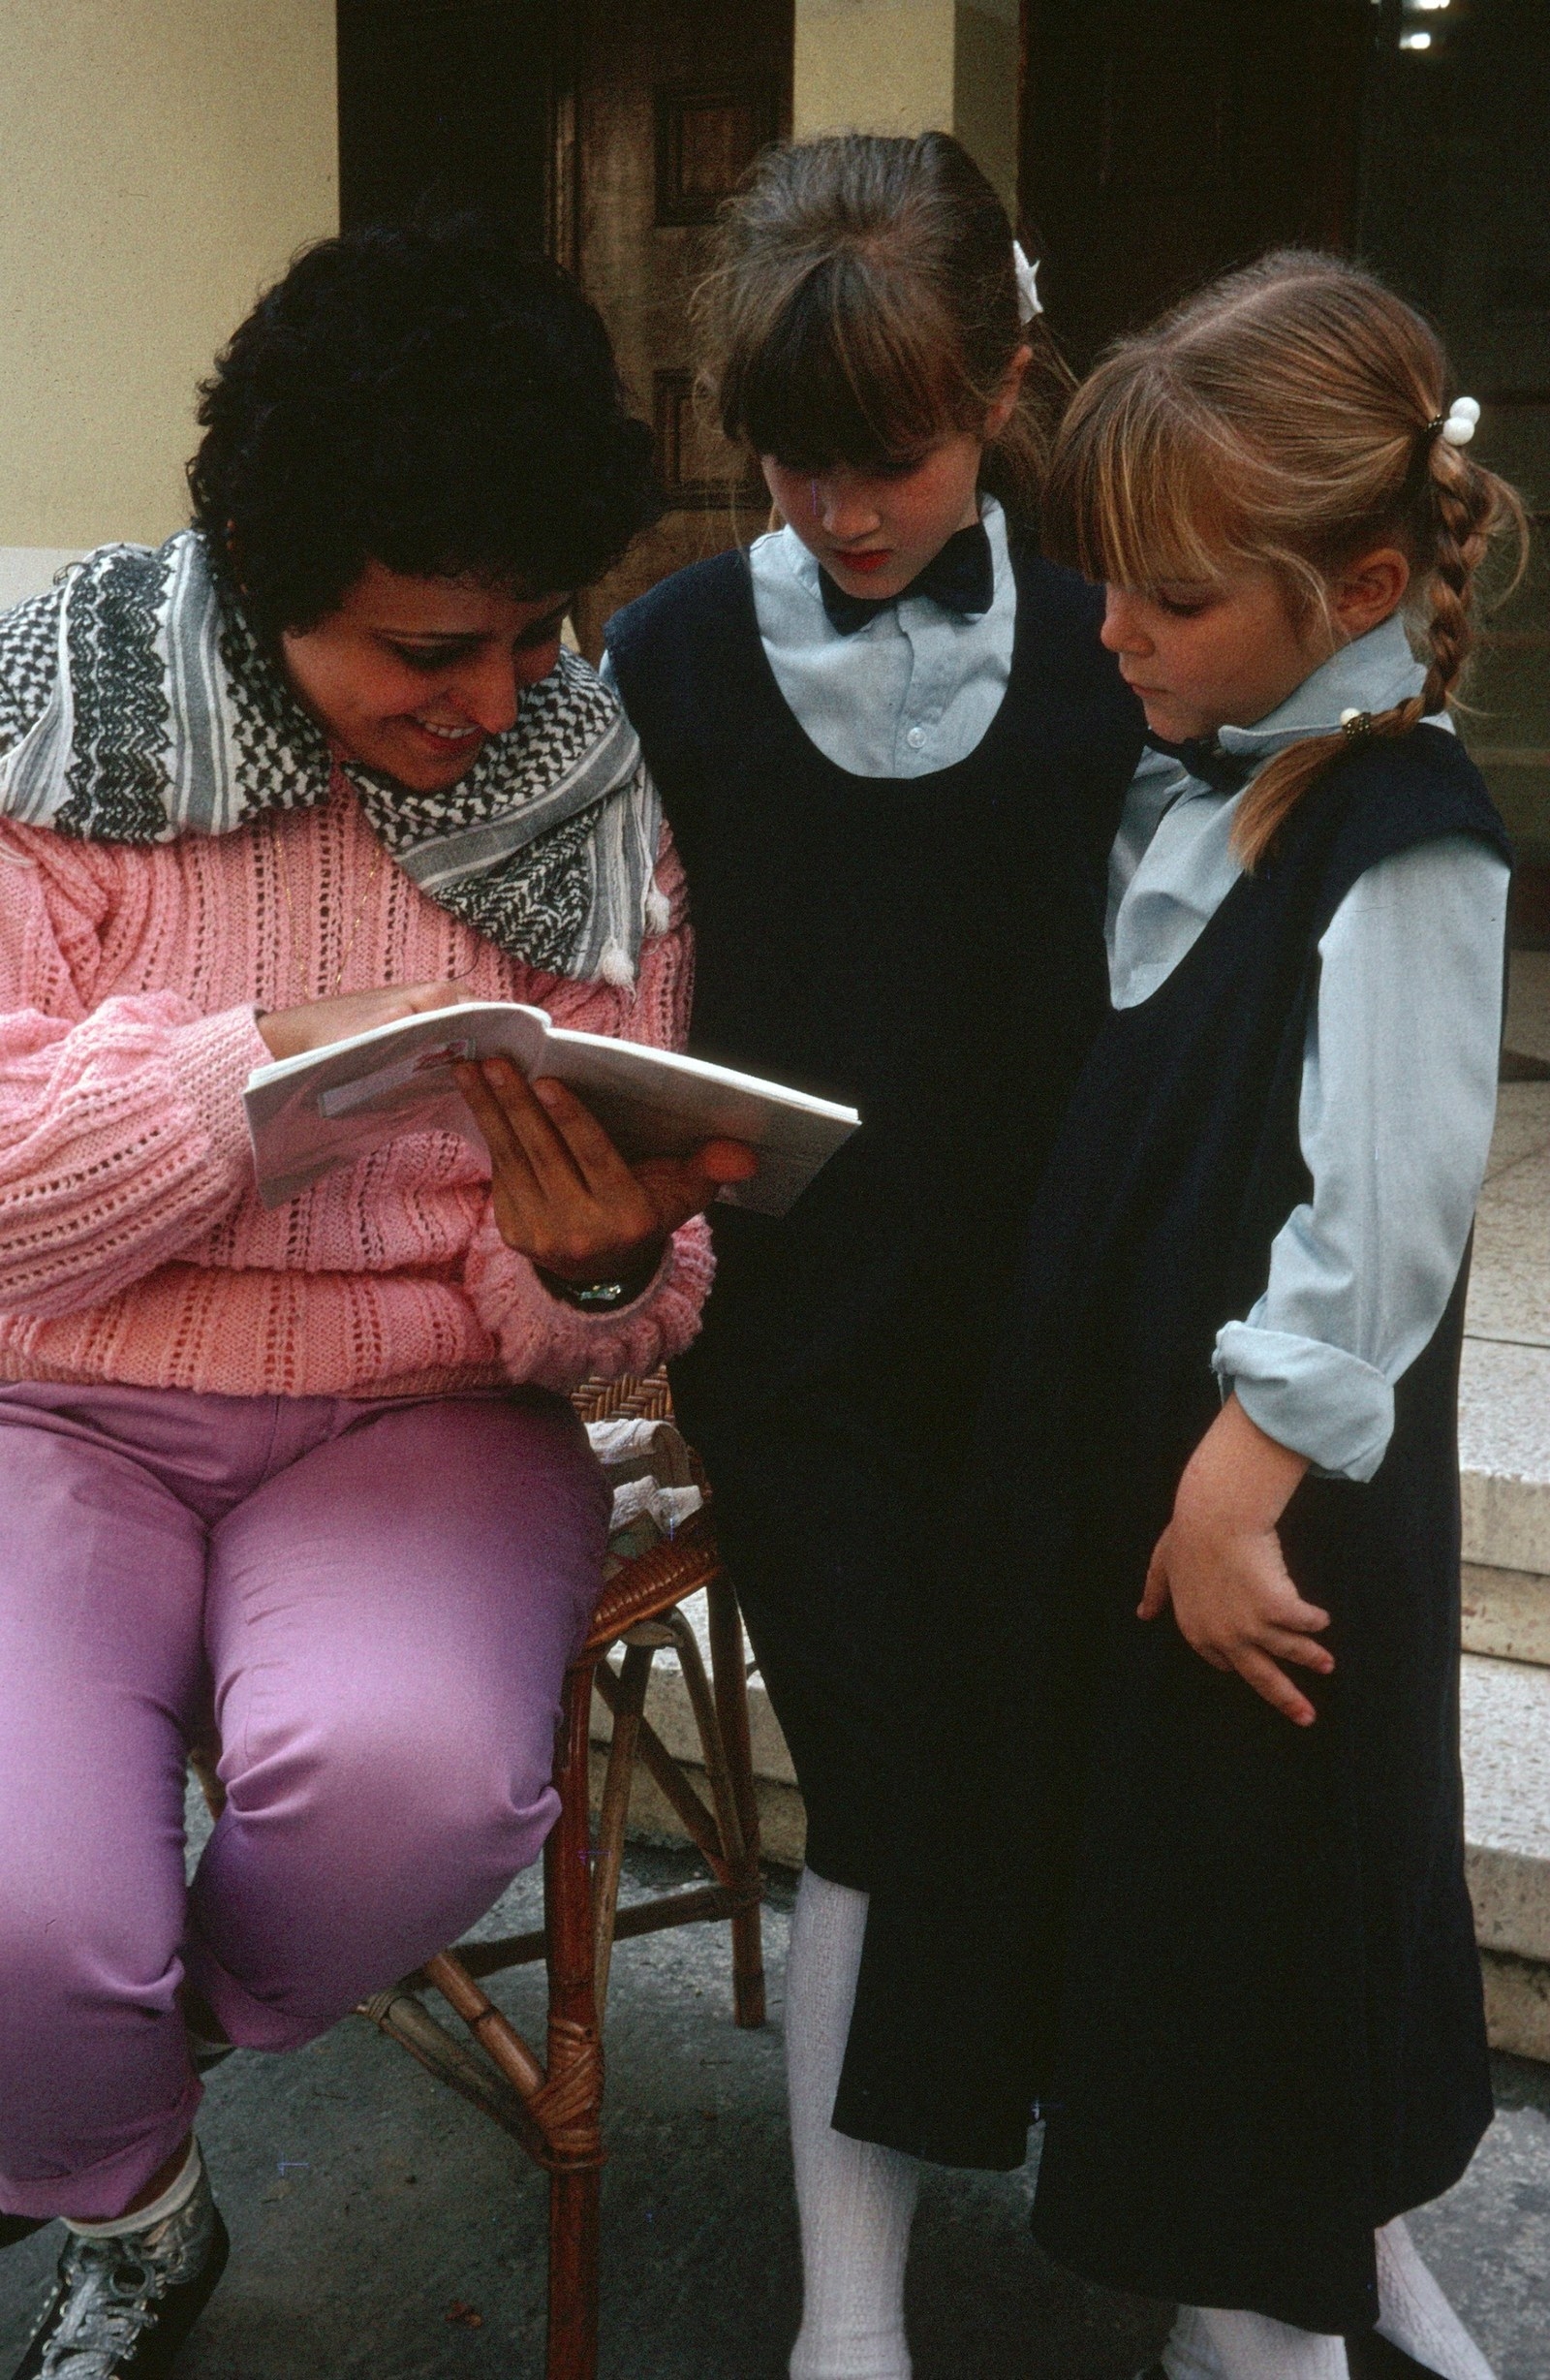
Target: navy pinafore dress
(930, 950)
(1233, 1962)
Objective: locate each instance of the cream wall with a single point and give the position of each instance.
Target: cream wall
(162, 159)
(912, 65)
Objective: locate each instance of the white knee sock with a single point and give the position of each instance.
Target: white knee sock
(1209, 2343)
(855, 2201)
(1414, 2314)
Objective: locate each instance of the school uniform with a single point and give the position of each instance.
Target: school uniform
(1231, 1960)
(895, 838)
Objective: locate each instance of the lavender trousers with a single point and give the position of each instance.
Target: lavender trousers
(382, 1599)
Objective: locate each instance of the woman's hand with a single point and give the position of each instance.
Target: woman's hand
(565, 1198)
(1218, 1563)
(318, 1023)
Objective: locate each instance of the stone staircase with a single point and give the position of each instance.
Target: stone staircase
(1505, 1445)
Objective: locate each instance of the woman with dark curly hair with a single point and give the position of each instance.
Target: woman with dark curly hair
(318, 762)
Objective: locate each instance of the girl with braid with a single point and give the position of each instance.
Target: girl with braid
(1222, 1932)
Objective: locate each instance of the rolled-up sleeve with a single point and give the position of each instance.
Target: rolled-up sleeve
(1397, 1105)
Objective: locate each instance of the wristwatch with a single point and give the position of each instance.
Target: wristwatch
(599, 1296)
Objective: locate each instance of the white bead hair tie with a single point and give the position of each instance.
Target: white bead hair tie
(1028, 305)
(1456, 428)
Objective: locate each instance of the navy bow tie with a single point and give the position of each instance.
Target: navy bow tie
(961, 578)
(1203, 757)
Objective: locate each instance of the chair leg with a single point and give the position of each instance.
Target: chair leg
(633, 1679)
(570, 2105)
(731, 1677)
(574, 2206)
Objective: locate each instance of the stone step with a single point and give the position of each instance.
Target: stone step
(1506, 1614)
(1505, 1454)
(1505, 1384)
(1506, 1713)
(1505, 1719)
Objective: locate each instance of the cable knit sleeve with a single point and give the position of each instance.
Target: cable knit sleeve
(122, 1137)
(121, 1142)
(539, 1338)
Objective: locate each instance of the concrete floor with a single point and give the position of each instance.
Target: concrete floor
(367, 2207)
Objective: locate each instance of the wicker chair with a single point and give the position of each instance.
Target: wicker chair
(553, 2105)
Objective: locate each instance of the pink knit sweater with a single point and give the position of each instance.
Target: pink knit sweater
(132, 1245)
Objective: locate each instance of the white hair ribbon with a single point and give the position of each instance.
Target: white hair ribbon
(1028, 305)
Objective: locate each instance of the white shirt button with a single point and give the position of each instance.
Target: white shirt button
(916, 738)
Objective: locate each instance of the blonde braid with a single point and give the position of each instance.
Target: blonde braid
(1468, 504)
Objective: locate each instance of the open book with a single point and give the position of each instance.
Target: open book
(325, 1107)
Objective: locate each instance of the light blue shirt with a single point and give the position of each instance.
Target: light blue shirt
(1399, 1073)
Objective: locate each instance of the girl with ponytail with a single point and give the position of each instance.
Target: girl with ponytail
(1214, 1922)
(893, 753)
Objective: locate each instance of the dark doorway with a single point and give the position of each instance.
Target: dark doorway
(447, 103)
(1454, 214)
(1163, 139)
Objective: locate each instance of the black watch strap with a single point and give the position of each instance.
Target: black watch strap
(602, 1297)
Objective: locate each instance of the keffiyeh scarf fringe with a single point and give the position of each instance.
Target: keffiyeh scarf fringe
(144, 708)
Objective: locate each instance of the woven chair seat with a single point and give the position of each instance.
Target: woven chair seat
(608, 1400)
(653, 1581)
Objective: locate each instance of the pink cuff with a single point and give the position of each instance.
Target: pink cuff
(552, 1344)
(210, 1062)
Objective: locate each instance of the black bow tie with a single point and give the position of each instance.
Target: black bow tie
(961, 578)
(1203, 757)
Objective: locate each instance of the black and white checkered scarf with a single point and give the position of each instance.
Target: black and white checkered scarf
(136, 705)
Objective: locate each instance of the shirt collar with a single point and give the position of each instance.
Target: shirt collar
(1373, 673)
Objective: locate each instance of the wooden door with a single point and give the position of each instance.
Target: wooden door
(661, 106)
(1164, 140)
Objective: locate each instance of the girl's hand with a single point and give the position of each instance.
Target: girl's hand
(1218, 1563)
(316, 1023)
(565, 1198)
